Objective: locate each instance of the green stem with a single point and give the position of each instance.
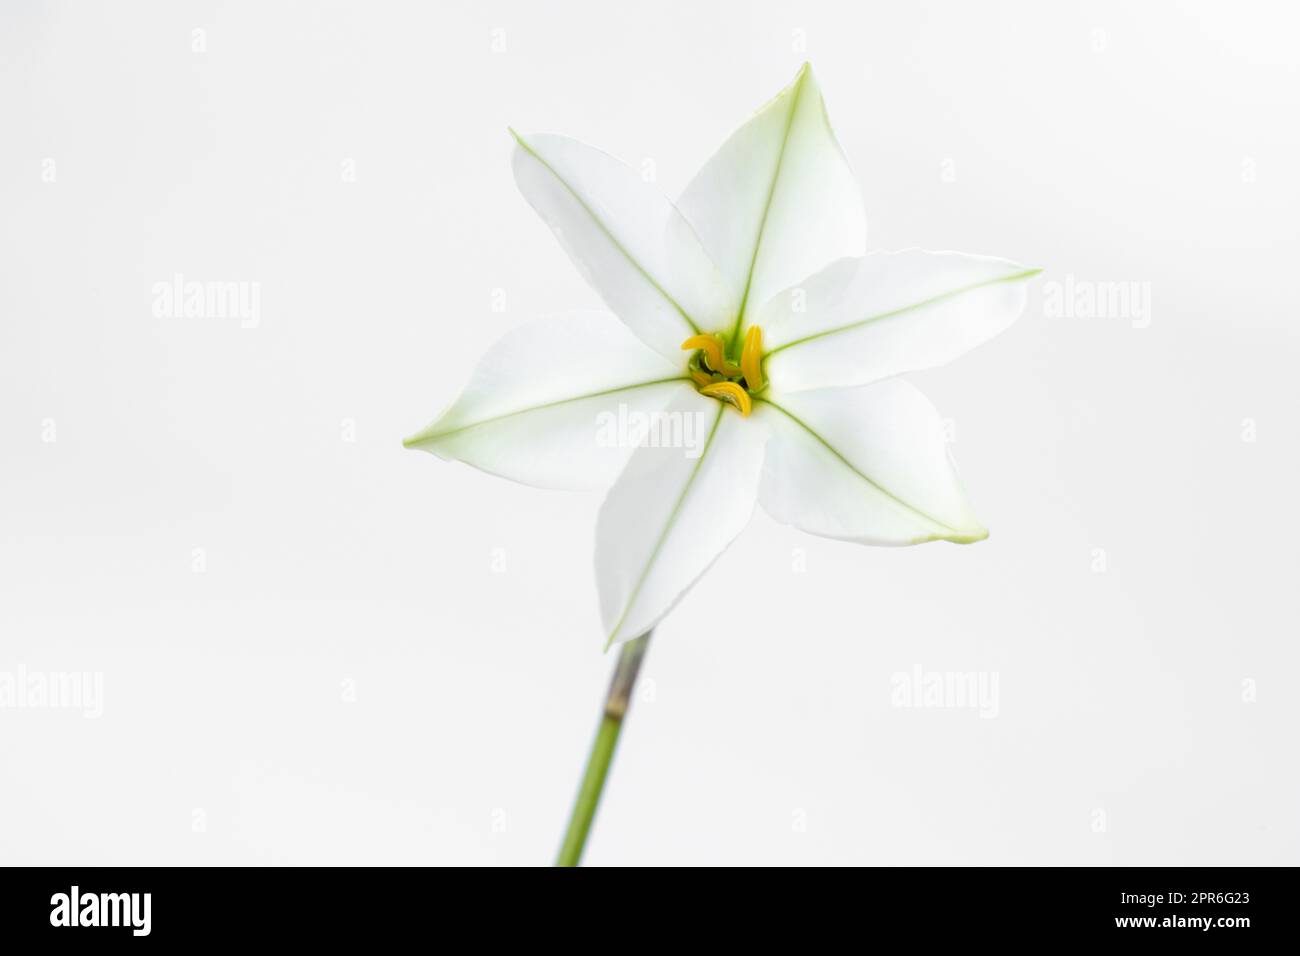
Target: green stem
(602, 750)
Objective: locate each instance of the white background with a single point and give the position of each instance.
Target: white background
(349, 680)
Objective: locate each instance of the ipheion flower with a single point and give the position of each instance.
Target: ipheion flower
(751, 303)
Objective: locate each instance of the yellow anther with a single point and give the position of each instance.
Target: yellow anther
(701, 377)
(711, 346)
(732, 392)
(751, 358)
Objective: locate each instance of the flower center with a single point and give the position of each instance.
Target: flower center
(717, 377)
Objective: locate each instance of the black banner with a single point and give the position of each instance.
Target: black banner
(90, 906)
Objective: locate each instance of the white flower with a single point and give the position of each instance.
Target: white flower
(750, 308)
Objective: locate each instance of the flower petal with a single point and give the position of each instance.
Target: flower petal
(672, 512)
(627, 239)
(778, 200)
(864, 464)
(544, 403)
(861, 320)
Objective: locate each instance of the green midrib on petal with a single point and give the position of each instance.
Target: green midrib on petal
(668, 526)
(767, 206)
(973, 287)
(954, 534)
(428, 435)
(600, 224)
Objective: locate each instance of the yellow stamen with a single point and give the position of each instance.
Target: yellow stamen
(711, 346)
(751, 358)
(701, 377)
(730, 390)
